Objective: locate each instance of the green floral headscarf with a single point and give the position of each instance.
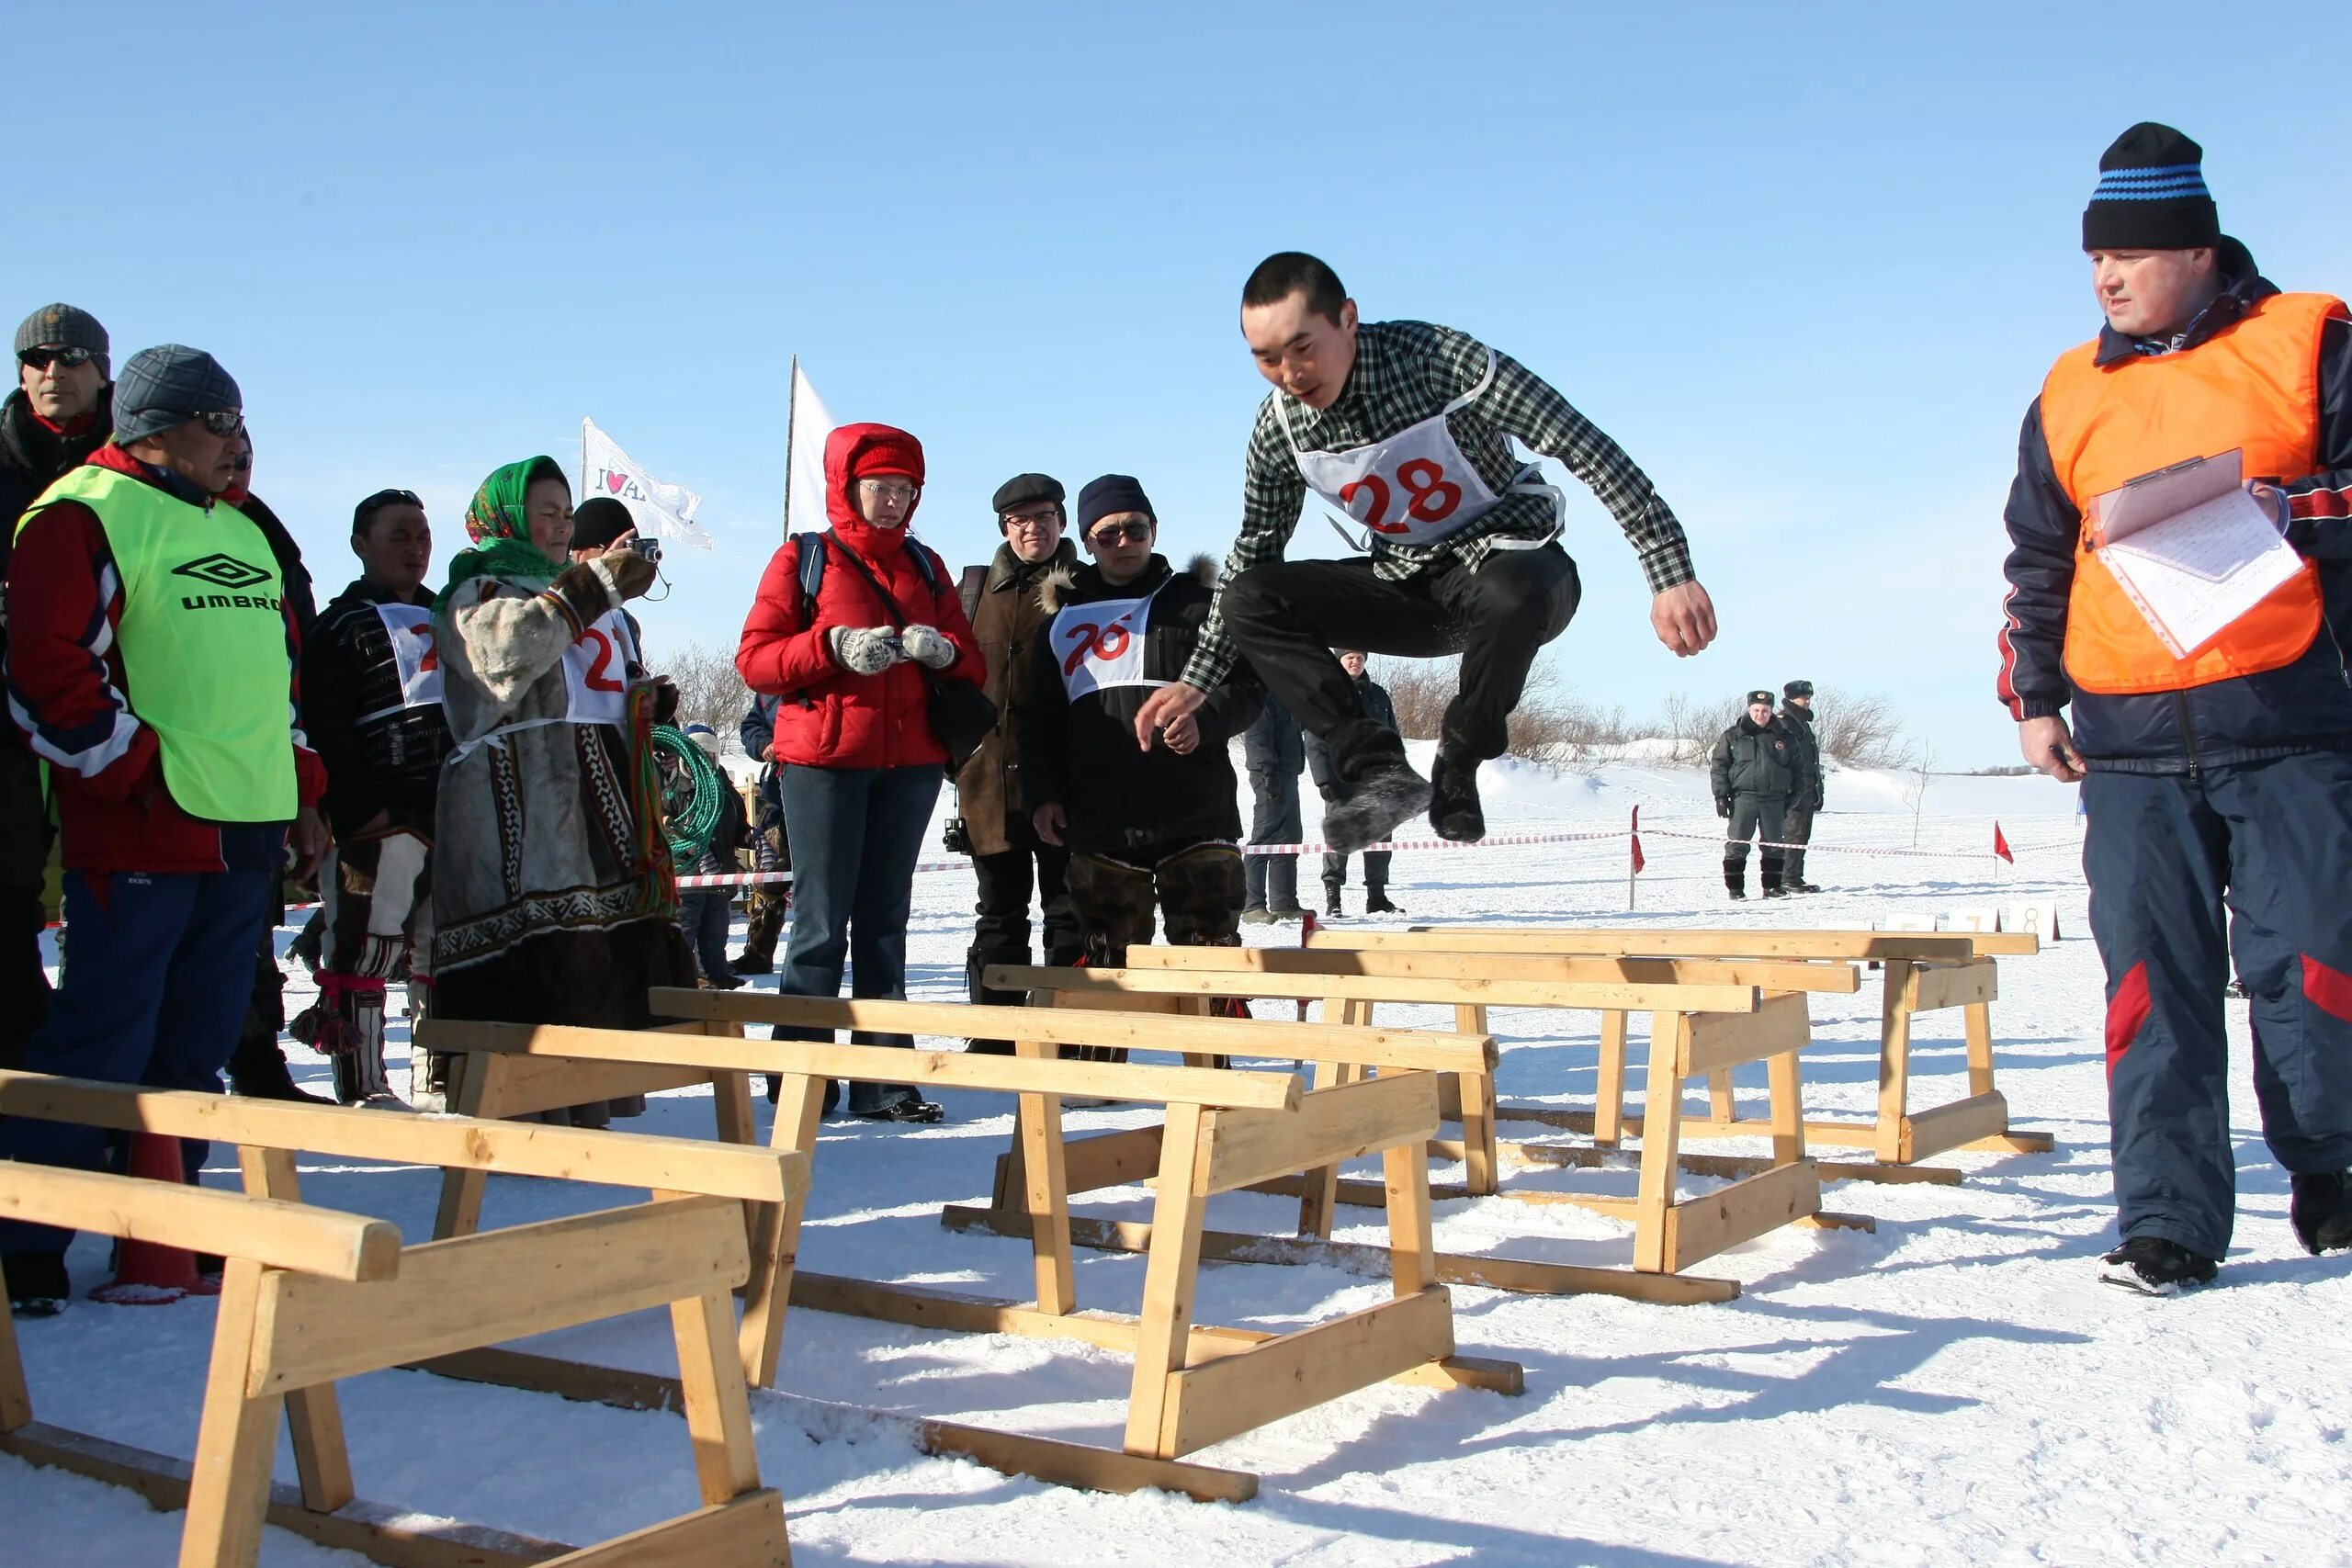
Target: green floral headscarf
(500, 530)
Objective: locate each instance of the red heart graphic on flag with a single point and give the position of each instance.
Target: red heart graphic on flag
(614, 482)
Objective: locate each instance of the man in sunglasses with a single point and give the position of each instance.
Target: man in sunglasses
(51, 424)
(153, 661)
(371, 703)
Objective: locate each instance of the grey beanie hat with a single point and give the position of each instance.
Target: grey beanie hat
(64, 326)
(167, 385)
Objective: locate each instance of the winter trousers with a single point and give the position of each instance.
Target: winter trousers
(1197, 885)
(856, 835)
(1001, 935)
(704, 914)
(1754, 816)
(1287, 617)
(1796, 824)
(375, 919)
(155, 993)
(764, 909)
(1270, 882)
(1376, 872)
(2165, 854)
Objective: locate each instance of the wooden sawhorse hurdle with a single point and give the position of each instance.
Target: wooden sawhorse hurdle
(1923, 973)
(1193, 1384)
(309, 1296)
(1716, 1023)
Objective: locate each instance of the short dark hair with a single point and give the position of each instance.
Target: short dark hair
(1286, 273)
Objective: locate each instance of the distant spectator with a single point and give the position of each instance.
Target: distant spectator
(552, 892)
(764, 910)
(704, 912)
(1808, 793)
(1008, 861)
(1378, 708)
(152, 657)
(58, 416)
(602, 525)
(1275, 749)
(862, 767)
(1755, 771)
(371, 697)
(1146, 828)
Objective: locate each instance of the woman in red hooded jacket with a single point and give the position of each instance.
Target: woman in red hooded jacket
(860, 768)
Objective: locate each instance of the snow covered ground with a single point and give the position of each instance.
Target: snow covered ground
(1955, 1388)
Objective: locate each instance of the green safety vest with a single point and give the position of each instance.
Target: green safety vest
(203, 643)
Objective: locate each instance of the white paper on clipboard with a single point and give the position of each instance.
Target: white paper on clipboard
(2192, 550)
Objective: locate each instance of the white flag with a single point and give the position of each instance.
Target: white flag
(662, 511)
(805, 490)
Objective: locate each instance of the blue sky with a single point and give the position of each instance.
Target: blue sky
(1807, 265)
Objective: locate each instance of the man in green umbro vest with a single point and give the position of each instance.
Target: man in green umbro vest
(152, 663)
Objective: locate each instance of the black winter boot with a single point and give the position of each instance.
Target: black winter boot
(1454, 810)
(1331, 901)
(2320, 1211)
(37, 1284)
(1383, 792)
(2155, 1267)
(1736, 880)
(1375, 902)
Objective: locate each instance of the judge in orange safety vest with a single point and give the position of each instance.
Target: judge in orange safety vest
(2217, 779)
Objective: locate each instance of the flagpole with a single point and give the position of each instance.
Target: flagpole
(582, 491)
(791, 408)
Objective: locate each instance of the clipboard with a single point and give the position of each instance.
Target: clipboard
(2192, 548)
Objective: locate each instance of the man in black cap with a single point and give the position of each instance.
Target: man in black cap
(57, 416)
(2217, 779)
(1806, 796)
(1009, 859)
(1755, 774)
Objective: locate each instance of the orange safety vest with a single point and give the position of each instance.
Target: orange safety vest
(2253, 386)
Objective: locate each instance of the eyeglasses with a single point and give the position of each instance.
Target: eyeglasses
(220, 421)
(888, 490)
(1113, 532)
(42, 359)
(1049, 518)
(378, 502)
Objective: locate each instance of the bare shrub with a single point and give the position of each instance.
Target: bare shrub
(709, 690)
(1694, 727)
(1861, 729)
(1419, 688)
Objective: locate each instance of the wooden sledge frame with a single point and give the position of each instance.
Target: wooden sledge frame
(1743, 1025)
(309, 1296)
(1184, 1394)
(1924, 972)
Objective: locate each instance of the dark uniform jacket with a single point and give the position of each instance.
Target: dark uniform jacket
(1804, 748)
(1006, 618)
(380, 756)
(1753, 759)
(1378, 707)
(1083, 754)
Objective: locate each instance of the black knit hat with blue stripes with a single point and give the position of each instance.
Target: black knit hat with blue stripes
(2151, 195)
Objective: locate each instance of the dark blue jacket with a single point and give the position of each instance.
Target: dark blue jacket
(758, 733)
(2304, 706)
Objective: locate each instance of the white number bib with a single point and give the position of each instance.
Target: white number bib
(1101, 645)
(595, 673)
(410, 629)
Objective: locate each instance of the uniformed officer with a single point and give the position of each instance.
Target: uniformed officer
(1755, 772)
(1796, 717)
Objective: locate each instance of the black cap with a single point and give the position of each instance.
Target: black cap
(1108, 496)
(1797, 689)
(599, 522)
(1022, 489)
(1764, 697)
(2151, 195)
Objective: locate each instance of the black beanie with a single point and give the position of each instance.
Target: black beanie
(1022, 489)
(1106, 497)
(599, 522)
(2151, 195)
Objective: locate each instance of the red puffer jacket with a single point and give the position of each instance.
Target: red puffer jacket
(830, 716)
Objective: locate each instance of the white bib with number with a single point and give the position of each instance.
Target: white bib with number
(1414, 487)
(595, 673)
(1101, 645)
(410, 629)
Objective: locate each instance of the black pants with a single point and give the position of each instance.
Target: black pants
(24, 984)
(1376, 872)
(1287, 617)
(1797, 823)
(1754, 816)
(1194, 887)
(1270, 882)
(1001, 934)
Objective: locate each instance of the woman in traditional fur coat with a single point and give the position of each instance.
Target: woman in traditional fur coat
(554, 900)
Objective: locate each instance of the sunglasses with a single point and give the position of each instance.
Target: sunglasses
(220, 421)
(42, 359)
(381, 499)
(1134, 533)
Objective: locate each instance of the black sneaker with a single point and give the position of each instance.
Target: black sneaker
(754, 963)
(1454, 810)
(37, 1284)
(1776, 893)
(2320, 1211)
(1285, 916)
(1376, 903)
(1368, 810)
(917, 1110)
(1257, 914)
(1332, 908)
(2155, 1267)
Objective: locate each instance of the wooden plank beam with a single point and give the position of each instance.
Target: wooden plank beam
(1222, 1399)
(1256, 983)
(1701, 1227)
(569, 1154)
(948, 1069)
(748, 1529)
(1112, 1159)
(1331, 1126)
(1713, 1042)
(1961, 1123)
(454, 1294)
(533, 1084)
(1403, 964)
(1653, 943)
(1956, 985)
(279, 1235)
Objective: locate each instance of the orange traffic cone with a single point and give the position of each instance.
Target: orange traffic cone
(148, 1273)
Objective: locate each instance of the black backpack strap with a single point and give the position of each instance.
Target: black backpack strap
(812, 573)
(974, 583)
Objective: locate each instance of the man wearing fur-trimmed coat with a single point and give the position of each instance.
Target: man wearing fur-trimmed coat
(1146, 828)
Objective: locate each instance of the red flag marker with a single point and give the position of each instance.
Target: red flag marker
(2001, 845)
(1638, 860)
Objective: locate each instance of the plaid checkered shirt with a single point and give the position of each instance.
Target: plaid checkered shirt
(1405, 371)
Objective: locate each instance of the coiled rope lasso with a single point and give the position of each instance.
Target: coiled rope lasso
(690, 829)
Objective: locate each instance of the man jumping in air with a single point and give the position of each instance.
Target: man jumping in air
(1404, 427)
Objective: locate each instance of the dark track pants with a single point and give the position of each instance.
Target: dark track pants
(1796, 824)
(2165, 854)
(1270, 882)
(1754, 816)
(156, 983)
(1287, 617)
(1006, 881)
